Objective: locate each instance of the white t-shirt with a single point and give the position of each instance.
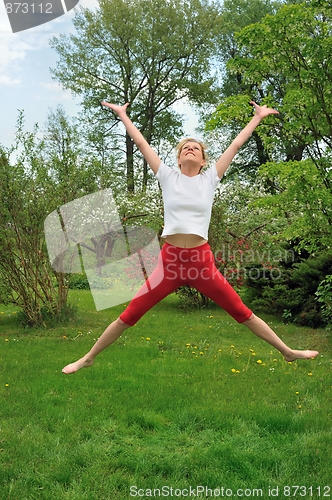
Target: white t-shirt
(187, 200)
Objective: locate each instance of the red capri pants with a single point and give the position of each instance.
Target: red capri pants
(185, 266)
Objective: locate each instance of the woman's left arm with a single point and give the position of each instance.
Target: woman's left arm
(226, 158)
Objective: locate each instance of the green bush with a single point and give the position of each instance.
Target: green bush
(324, 298)
(292, 293)
(190, 298)
(49, 318)
(78, 282)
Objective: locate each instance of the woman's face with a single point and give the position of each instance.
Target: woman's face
(191, 151)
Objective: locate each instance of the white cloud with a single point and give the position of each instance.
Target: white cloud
(14, 46)
(8, 81)
(89, 4)
(55, 92)
(13, 50)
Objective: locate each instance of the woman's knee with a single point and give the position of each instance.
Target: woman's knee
(249, 320)
(122, 324)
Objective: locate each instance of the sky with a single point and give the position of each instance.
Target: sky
(25, 79)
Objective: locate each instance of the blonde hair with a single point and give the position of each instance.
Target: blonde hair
(190, 139)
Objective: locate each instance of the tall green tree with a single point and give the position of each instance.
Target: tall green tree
(233, 110)
(149, 53)
(289, 56)
(237, 91)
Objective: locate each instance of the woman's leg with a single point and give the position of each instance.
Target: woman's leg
(161, 283)
(112, 333)
(215, 286)
(262, 330)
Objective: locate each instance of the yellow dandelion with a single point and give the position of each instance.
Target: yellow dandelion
(310, 374)
(181, 352)
(297, 393)
(147, 338)
(237, 371)
(299, 407)
(193, 352)
(187, 345)
(275, 360)
(253, 354)
(2, 312)
(6, 385)
(233, 370)
(142, 338)
(195, 346)
(251, 350)
(233, 347)
(6, 340)
(201, 352)
(259, 361)
(210, 316)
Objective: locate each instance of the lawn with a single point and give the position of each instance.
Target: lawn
(184, 405)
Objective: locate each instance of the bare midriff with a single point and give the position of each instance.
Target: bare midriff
(185, 240)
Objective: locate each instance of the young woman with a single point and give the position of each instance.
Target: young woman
(186, 257)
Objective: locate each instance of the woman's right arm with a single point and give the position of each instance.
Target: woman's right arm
(149, 154)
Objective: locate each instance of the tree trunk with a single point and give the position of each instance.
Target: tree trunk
(130, 164)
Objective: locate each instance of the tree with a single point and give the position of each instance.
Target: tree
(150, 53)
(289, 56)
(233, 111)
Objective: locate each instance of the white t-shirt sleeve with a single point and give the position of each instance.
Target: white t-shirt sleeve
(163, 172)
(212, 174)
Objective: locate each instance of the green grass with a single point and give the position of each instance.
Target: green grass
(154, 413)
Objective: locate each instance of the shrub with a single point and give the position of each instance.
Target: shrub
(292, 294)
(324, 298)
(78, 282)
(190, 298)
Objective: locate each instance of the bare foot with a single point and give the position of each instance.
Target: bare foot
(74, 367)
(293, 355)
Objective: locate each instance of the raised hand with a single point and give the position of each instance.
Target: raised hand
(263, 111)
(119, 110)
